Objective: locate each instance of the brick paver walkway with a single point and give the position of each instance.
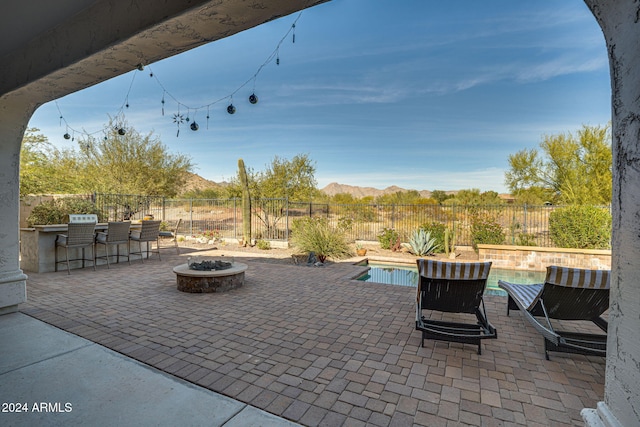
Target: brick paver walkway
(310, 345)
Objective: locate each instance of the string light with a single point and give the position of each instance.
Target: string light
(177, 117)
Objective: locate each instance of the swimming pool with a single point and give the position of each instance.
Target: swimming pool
(407, 275)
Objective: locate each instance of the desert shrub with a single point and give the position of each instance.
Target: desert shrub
(436, 230)
(526, 239)
(345, 223)
(57, 211)
(388, 237)
(486, 230)
(263, 244)
(317, 235)
(214, 235)
(581, 227)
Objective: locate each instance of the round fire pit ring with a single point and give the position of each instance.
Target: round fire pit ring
(199, 281)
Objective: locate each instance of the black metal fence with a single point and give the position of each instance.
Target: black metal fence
(272, 218)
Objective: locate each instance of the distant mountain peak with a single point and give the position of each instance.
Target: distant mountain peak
(358, 192)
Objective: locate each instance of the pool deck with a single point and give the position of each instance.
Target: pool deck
(312, 346)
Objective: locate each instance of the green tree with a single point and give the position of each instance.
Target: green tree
(474, 196)
(124, 164)
(131, 164)
(440, 196)
(35, 173)
(533, 196)
(282, 178)
(205, 193)
(569, 169)
(408, 197)
(44, 169)
(343, 199)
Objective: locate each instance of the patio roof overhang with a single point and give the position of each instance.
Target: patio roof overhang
(50, 49)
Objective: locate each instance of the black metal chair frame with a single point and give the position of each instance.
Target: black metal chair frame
(564, 303)
(453, 295)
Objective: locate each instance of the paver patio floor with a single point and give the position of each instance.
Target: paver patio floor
(313, 346)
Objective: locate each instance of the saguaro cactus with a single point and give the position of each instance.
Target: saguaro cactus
(246, 204)
(450, 243)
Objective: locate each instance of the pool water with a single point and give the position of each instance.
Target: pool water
(406, 275)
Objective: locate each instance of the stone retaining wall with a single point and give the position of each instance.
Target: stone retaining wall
(538, 258)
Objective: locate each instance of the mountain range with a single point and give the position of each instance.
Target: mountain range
(358, 192)
(196, 182)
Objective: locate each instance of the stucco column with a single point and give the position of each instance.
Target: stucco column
(620, 22)
(14, 117)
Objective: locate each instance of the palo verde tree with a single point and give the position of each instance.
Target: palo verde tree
(131, 164)
(124, 164)
(45, 169)
(35, 173)
(569, 169)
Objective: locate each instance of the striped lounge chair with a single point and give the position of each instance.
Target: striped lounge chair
(566, 294)
(453, 287)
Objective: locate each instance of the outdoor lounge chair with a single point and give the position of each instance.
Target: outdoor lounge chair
(172, 234)
(79, 235)
(566, 294)
(147, 234)
(117, 234)
(453, 287)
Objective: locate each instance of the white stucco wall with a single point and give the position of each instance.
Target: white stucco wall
(14, 116)
(620, 22)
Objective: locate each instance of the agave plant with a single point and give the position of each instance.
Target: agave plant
(421, 243)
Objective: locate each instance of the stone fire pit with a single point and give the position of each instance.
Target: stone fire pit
(201, 281)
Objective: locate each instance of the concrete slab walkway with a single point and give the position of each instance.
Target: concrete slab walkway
(51, 377)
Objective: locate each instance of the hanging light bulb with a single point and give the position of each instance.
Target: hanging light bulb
(194, 126)
(67, 136)
(253, 98)
(231, 109)
(121, 131)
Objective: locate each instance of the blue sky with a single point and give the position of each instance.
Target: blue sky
(421, 94)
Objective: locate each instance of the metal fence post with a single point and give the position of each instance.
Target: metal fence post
(286, 220)
(393, 216)
(453, 212)
(191, 216)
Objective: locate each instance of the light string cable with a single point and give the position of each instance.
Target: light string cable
(119, 117)
(179, 118)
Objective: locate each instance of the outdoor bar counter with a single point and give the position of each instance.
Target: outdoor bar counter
(38, 245)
